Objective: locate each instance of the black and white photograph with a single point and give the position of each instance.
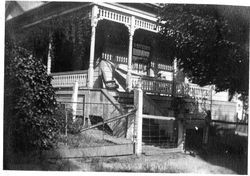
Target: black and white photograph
(139, 87)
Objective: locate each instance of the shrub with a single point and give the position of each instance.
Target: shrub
(73, 126)
(29, 101)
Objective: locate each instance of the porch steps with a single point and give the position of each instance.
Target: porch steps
(110, 95)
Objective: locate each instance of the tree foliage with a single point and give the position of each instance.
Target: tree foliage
(29, 101)
(211, 47)
(69, 35)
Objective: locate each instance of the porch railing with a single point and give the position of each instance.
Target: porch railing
(119, 59)
(154, 85)
(67, 79)
(193, 90)
(149, 84)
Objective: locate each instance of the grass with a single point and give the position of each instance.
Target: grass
(224, 163)
(167, 163)
(130, 164)
(88, 138)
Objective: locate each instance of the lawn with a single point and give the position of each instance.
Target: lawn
(179, 162)
(164, 163)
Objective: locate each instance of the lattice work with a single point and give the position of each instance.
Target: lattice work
(113, 16)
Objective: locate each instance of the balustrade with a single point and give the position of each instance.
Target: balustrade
(199, 92)
(193, 90)
(155, 85)
(115, 58)
(67, 79)
(147, 25)
(126, 19)
(113, 16)
(148, 84)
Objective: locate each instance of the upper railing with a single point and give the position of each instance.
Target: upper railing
(119, 17)
(141, 66)
(68, 79)
(115, 58)
(114, 16)
(150, 26)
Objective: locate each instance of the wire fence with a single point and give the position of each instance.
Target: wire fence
(104, 123)
(96, 124)
(160, 133)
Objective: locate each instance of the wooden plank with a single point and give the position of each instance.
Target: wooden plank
(228, 122)
(157, 117)
(112, 150)
(109, 120)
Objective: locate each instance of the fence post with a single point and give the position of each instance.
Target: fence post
(74, 100)
(181, 133)
(206, 129)
(138, 102)
(66, 122)
(87, 108)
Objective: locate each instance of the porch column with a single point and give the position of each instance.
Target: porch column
(49, 57)
(94, 21)
(130, 52)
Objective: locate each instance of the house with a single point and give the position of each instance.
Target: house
(100, 52)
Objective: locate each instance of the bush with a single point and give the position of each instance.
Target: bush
(73, 126)
(29, 102)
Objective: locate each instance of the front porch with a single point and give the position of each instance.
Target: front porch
(116, 45)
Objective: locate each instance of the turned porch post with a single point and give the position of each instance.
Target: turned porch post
(94, 21)
(130, 50)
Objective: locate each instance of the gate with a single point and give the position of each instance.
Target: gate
(98, 129)
(159, 134)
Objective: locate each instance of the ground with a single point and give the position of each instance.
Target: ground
(178, 162)
(167, 163)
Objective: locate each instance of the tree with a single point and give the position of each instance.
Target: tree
(210, 44)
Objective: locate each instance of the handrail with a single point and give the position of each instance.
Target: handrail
(67, 79)
(155, 79)
(69, 72)
(116, 105)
